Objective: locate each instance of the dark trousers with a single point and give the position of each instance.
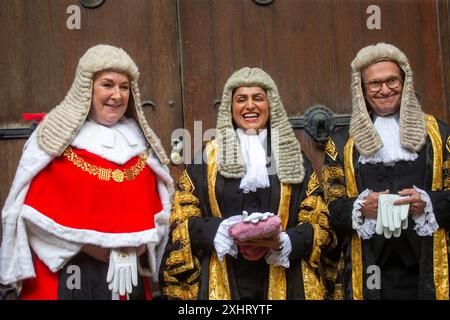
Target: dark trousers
(399, 282)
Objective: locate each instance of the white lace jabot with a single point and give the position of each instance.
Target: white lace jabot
(392, 151)
(255, 160)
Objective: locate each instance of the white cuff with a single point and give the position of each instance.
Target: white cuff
(426, 223)
(223, 243)
(365, 227)
(280, 257)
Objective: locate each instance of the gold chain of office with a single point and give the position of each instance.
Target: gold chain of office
(105, 174)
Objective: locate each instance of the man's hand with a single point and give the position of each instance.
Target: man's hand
(416, 205)
(370, 206)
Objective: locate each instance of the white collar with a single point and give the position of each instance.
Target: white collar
(106, 133)
(117, 143)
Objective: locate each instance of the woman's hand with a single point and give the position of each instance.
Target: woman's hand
(273, 243)
(99, 253)
(102, 254)
(141, 250)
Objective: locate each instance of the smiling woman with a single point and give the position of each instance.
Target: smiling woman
(254, 171)
(93, 189)
(111, 91)
(250, 108)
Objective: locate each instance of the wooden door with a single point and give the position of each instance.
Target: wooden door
(307, 47)
(39, 54)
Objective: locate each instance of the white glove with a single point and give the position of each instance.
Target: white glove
(223, 243)
(391, 219)
(255, 217)
(122, 270)
(379, 228)
(386, 214)
(280, 257)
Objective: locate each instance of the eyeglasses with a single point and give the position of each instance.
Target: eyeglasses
(375, 86)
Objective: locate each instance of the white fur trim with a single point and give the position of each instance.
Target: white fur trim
(84, 236)
(53, 251)
(165, 189)
(15, 257)
(161, 171)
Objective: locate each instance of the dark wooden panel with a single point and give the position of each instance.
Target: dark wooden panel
(10, 153)
(306, 45)
(39, 55)
(313, 150)
(444, 30)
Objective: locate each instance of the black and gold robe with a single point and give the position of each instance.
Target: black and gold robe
(190, 267)
(345, 178)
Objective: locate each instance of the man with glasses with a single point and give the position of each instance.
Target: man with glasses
(391, 147)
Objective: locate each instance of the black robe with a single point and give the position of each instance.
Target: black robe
(406, 264)
(190, 267)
